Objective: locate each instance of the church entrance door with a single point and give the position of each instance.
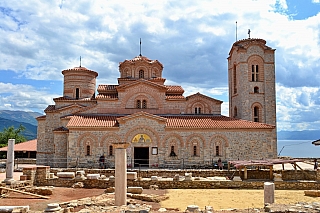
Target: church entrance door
(141, 156)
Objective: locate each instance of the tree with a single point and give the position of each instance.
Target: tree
(12, 133)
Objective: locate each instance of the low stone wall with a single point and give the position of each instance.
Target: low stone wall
(25, 161)
(44, 176)
(251, 174)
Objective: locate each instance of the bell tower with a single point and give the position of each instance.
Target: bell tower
(79, 83)
(251, 77)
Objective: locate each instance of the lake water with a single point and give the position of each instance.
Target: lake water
(298, 148)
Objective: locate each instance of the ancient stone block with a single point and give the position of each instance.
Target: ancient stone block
(93, 176)
(135, 190)
(131, 175)
(66, 174)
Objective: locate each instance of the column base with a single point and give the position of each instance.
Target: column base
(8, 181)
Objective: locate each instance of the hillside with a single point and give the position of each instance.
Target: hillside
(20, 116)
(15, 118)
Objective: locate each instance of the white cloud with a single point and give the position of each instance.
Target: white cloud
(24, 97)
(192, 39)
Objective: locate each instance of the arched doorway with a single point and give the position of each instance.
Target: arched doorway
(141, 150)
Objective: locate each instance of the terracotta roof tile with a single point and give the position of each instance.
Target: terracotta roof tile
(212, 122)
(41, 117)
(170, 97)
(174, 89)
(80, 69)
(50, 108)
(141, 58)
(173, 121)
(24, 146)
(107, 96)
(93, 121)
(107, 88)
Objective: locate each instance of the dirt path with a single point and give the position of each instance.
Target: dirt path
(60, 194)
(230, 198)
(178, 198)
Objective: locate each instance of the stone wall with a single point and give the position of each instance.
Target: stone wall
(41, 176)
(287, 175)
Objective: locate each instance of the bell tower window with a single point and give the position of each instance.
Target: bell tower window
(256, 114)
(256, 89)
(77, 93)
(141, 74)
(234, 80)
(254, 73)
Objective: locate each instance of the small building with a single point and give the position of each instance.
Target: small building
(26, 149)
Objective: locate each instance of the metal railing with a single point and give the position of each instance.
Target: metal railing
(93, 163)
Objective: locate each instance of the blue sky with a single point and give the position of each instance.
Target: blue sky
(190, 38)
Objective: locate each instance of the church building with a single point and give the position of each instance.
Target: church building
(162, 126)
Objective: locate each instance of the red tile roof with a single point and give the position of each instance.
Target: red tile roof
(24, 146)
(50, 108)
(107, 96)
(107, 88)
(212, 122)
(173, 121)
(93, 121)
(174, 89)
(80, 69)
(170, 97)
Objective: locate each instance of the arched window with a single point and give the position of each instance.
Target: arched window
(256, 114)
(217, 150)
(138, 104)
(194, 150)
(235, 112)
(256, 89)
(88, 150)
(77, 93)
(144, 104)
(110, 150)
(234, 79)
(172, 152)
(141, 74)
(254, 73)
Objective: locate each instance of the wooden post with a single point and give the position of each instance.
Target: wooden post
(271, 172)
(245, 175)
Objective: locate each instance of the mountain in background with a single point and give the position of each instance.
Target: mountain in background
(15, 118)
(20, 116)
(299, 135)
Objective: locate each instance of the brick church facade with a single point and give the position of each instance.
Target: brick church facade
(162, 126)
